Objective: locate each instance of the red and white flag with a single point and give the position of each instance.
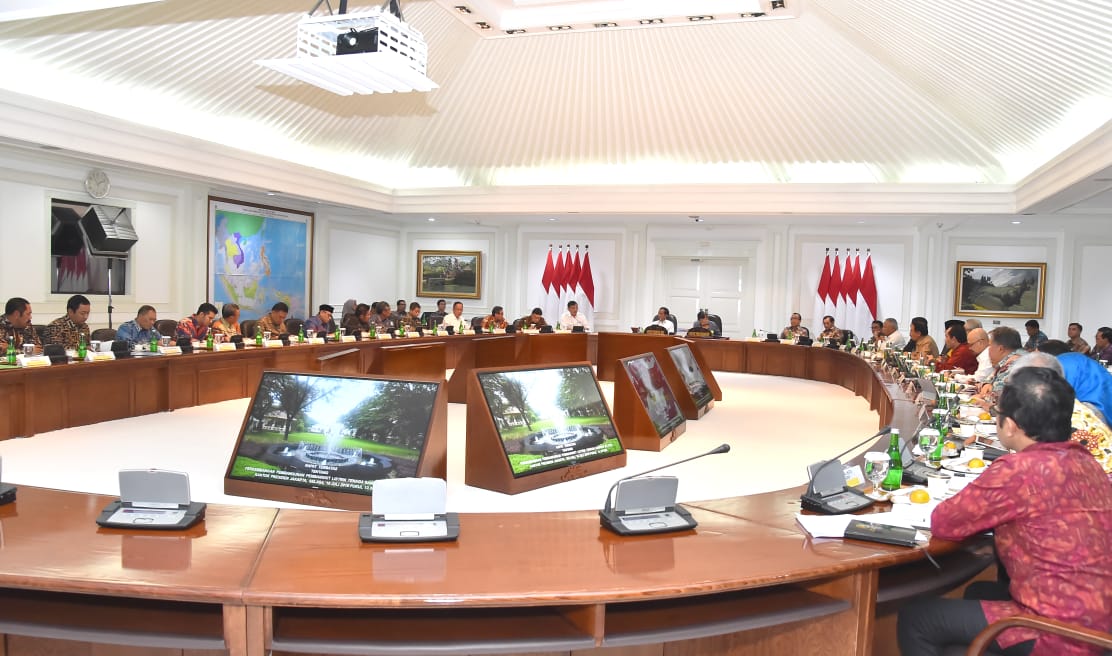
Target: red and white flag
(867, 290)
(822, 294)
(834, 296)
(846, 318)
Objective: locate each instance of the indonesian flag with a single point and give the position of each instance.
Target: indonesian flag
(867, 288)
(549, 271)
(846, 317)
(587, 279)
(823, 291)
(834, 296)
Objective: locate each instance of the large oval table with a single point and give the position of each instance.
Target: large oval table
(256, 581)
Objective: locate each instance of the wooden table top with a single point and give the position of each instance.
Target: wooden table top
(49, 540)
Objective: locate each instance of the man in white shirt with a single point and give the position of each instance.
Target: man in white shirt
(978, 342)
(572, 318)
(892, 335)
(454, 319)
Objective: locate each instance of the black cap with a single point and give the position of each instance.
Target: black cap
(325, 307)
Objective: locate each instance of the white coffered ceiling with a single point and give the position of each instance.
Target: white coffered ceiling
(848, 106)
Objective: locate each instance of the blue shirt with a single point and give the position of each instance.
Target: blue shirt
(133, 334)
(1035, 341)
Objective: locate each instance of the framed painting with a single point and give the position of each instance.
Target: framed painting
(259, 255)
(1000, 289)
(455, 274)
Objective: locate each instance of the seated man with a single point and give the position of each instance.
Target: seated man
(663, 321)
(441, 311)
(454, 320)
(228, 323)
(893, 338)
(196, 326)
(1102, 344)
(924, 345)
(1035, 337)
(877, 330)
(412, 320)
(533, 320)
(274, 321)
(1076, 342)
(359, 320)
(793, 330)
(496, 320)
(70, 329)
(961, 356)
(322, 321)
(830, 332)
(572, 318)
(382, 318)
(703, 323)
(1050, 507)
(978, 343)
(1004, 348)
(140, 330)
(15, 326)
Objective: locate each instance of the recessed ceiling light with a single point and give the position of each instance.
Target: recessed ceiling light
(552, 219)
(432, 219)
(515, 31)
(606, 24)
(1016, 222)
(272, 193)
(861, 221)
(559, 28)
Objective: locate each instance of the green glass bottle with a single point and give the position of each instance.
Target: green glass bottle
(373, 332)
(11, 350)
(258, 337)
(153, 346)
(301, 335)
(82, 347)
(894, 479)
(337, 333)
(209, 340)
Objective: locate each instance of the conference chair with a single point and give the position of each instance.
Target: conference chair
(653, 328)
(477, 323)
(699, 332)
(103, 334)
(248, 327)
(980, 644)
(166, 327)
(293, 325)
(716, 320)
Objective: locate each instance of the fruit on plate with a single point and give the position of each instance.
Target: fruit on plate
(919, 496)
(984, 416)
(949, 446)
(976, 463)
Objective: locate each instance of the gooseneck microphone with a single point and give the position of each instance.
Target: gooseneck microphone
(648, 505)
(841, 499)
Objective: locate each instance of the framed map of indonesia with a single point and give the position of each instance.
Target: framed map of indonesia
(257, 256)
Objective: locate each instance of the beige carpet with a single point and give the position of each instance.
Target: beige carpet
(775, 426)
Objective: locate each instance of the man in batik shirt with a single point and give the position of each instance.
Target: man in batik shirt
(15, 326)
(68, 330)
(1050, 507)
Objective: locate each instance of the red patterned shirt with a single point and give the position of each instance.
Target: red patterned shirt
(188, 327)
(1051, 508)
(962, 358)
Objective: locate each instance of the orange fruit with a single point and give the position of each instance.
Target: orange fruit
(984, 416)
(976, 463)
(919, 496)
(949, 445)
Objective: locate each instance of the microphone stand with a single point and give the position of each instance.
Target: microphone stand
(671, 518)
(845, 500)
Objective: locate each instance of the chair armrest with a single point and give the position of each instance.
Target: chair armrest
(1064, 629)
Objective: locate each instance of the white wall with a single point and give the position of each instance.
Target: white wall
(357, 255)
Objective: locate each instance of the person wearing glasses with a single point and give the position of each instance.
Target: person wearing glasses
(978, 343)
(1049, 505)
(1004, 349)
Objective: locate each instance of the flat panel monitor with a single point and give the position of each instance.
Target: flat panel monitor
(325, 439)
(656, 395)
(549, 418)
(691, 373)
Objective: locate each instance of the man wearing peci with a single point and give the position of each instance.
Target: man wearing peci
(140, 330)
(16, 326)
(1049, 506)
(68, 330)
(322, 321)
(572, 318)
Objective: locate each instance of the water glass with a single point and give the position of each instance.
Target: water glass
(876, 468)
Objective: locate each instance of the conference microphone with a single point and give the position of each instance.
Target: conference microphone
(826, 489)
(638, 506)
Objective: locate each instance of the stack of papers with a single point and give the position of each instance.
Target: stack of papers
(834, 526)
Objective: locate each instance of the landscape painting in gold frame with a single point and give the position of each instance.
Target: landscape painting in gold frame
(449, 274)
(1000, 289)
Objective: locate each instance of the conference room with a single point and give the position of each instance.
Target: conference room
(710, 165)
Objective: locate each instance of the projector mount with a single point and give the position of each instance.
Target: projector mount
(394, 7)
